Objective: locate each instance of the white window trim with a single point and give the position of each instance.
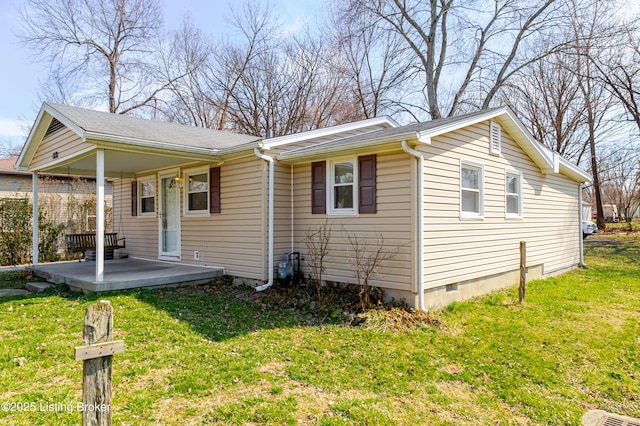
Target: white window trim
(508, 215)
(142, 181)
(472, 215)
(495, 143)
(185, 202)
(331, 211)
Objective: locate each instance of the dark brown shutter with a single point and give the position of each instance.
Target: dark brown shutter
(214, 190)
(134, 198)
(319, 187)
(367, 184)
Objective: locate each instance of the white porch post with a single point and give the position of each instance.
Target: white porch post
(35, 252)
(99, 215)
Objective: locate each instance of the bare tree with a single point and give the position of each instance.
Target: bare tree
(620, 171)
(189, 100)
(280, 84)
(548, 99)
(462, 52)
(588, 24)
(618, 63)
(9, 148)
(99, 50)
(561, 98)
(371, 60)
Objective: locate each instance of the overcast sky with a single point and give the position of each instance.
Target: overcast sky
(19, 76)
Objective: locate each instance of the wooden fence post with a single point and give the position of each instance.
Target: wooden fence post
(523, 270)
(96, 352)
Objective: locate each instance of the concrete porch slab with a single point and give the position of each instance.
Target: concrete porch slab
(122, 274)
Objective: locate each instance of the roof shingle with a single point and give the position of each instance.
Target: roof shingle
(134, 128)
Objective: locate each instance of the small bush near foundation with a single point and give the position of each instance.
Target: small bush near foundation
(341, 303)
(16, 236)
(337, 298)
(396, 318)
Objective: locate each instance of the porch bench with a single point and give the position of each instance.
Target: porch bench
(82, 242)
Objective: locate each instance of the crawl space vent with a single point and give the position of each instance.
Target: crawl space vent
(609, 420)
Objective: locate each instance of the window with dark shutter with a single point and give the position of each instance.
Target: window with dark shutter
(319, 187)
(367, 184)
(134, 198)
(214, 190)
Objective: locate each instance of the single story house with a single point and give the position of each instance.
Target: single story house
(453, 197)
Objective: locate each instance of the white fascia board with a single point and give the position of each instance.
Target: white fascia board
(27, 149)
(267, 144)
(533, 148)
(301, 154)
(145, 143)
(567, 168)
(244, 148)
(65, 121)
(424, 139)
(101, 137)
(574, 172)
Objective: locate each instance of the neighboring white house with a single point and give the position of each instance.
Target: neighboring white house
(452, 197)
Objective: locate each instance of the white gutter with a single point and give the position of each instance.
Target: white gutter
(420, 213)
(270, 217)
(332, 146)
(584, 265)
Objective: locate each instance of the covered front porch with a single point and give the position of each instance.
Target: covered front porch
(74, 141)
(122, 274)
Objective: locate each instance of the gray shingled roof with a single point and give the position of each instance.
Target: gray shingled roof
(390, 133)
(133, 128)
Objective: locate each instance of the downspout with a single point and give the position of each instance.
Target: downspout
(269, 219)
(420, 213)
(584, 265)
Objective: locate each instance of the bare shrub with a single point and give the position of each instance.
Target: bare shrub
(366, 258)
(317, 243)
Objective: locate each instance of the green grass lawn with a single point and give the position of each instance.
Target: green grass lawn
(208, 355)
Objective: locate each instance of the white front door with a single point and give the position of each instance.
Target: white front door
(169, 243)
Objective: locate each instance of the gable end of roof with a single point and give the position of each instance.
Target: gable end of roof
(48, 118)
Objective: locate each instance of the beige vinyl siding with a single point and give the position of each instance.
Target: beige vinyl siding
(64, 141)
(141, 233)
(458, 250)
(393, 220)
(234, 239)
(282, 212)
